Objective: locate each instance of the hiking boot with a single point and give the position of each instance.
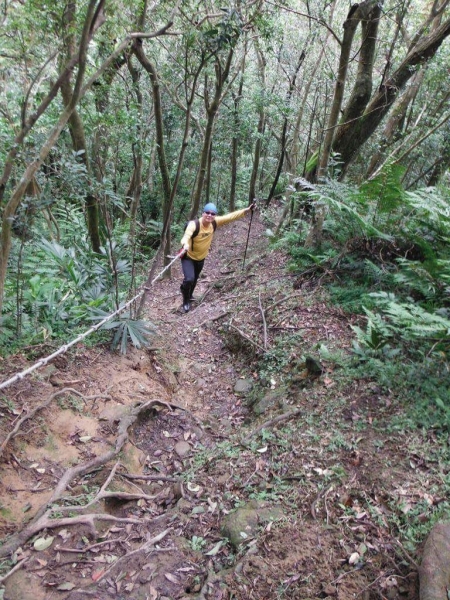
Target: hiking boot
(186, 297)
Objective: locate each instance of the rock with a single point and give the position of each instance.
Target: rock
(113, 412)
(242, 524)
(243, 386)
(272, 399)
(182, 449)
(434, 571)
(201, 383)
(133, 458)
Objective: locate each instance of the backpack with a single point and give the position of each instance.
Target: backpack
(197, 229)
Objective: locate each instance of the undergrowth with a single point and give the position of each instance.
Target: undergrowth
(385, 256)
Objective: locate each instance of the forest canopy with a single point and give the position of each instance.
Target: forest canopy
(120, 120)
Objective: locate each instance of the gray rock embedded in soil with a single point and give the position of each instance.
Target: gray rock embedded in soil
(243, 523)
(113, 412)
(182, 449)
(434, 571)
(272, 399)
(243, 386)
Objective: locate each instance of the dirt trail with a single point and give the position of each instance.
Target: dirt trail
(158, 510)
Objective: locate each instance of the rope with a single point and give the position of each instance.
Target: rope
(65, 347)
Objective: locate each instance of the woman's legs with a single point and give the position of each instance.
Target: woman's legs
(191, 271)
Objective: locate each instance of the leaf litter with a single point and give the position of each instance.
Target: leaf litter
(342, 484)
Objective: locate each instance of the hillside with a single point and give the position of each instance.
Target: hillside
(234, 458)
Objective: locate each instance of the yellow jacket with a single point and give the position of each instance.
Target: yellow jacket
(203, 240)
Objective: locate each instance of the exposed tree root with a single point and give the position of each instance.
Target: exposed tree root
(45, 404)
(144, 548)
(43, 520)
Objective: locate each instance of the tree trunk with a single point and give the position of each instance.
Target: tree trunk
(392, 129)
(157, 106)
(260, 128)
(222, 73)
(284, 130)
(93, 20)
(349, 140)
(358, 13)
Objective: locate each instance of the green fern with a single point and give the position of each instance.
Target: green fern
(138, 331)
(385, 189)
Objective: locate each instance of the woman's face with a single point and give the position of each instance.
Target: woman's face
(208, 216)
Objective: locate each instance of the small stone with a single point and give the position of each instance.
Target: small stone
(330, 590)
(182, 449)
(243, 386)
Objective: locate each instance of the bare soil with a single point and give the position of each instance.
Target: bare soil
(333, 467)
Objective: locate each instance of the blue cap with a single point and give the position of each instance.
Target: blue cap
(210, 207)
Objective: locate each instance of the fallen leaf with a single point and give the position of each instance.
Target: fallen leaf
(153, 593)
(171, 578)
(354, 558)
(85, 438)
(262, 450)
(42, 562)
(96, 575)
(43, 543)
(216, 549)
(66, 587)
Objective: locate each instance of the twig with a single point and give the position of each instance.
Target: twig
(89, 548)
(408, 556)
(271, 423)
(295, 295)
(149, 477)
(320, 495)
(246, 337)
(14, 569)
(211, 319)
(264, 321)
(143, 548)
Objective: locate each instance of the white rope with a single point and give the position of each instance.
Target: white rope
(65, 347)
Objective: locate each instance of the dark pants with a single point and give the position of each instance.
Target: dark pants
(191, 270)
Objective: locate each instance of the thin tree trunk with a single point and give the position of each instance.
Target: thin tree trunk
(235, 143)
(93, 20)
(392, 129)
(260, 128)
(212, 107)
(283, 141)
(165, 176)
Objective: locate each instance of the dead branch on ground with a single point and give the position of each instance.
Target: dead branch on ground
(286, 417)
(246, 337)
(144, 548)
(264, 321)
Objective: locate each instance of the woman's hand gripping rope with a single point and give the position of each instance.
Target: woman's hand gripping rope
(178, 255)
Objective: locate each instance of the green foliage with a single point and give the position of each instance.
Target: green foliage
(384, 193)
(125, 328)
(197, 543)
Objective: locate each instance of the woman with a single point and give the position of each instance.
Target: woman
(196, 243)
